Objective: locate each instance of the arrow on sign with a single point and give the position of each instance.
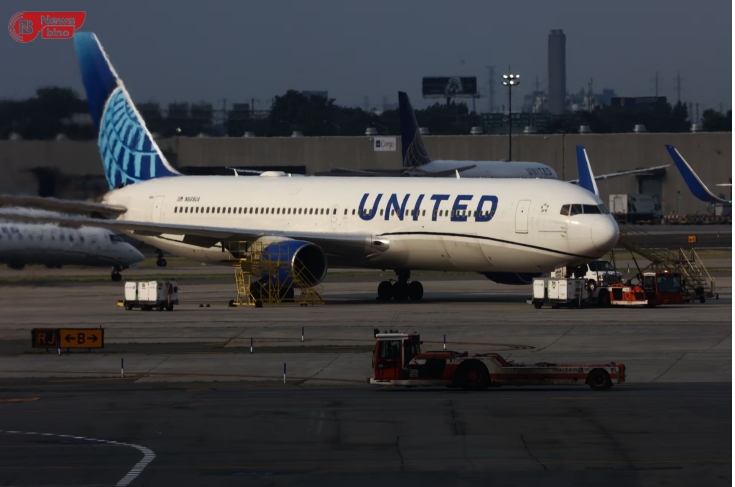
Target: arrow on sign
(93, 338)
(69, 338)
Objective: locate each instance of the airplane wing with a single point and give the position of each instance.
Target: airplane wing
(62, 206)
(202, 235)
(412, 171)
(696, 186)
(626, 172)
(361, 172)
(418, 171)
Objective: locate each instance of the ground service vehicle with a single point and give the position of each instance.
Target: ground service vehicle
(147, 295)
(666, 288)
(398, 361)
(575, 293)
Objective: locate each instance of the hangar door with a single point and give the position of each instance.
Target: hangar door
(522, 216)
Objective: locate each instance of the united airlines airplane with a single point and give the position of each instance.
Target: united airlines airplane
(506, 229)
(416, 160)
(54, 246)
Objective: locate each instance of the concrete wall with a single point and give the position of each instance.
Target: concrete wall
(709, 153)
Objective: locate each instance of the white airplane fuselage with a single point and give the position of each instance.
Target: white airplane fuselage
(22, 244)
(482, 225)
(493, 169)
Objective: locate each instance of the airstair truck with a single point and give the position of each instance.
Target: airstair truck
(399, 361)
(147, 295)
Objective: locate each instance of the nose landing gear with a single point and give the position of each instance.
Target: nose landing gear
(115, 274)
(160, 262)
(401, 289)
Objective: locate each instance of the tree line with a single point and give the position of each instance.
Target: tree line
(59, 112)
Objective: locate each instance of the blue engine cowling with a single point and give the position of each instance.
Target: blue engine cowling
(297, 257)
(513, 278)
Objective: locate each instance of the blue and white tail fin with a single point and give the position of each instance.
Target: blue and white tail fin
(412, 145)
(586, 177)
(696, 186)
(128, 151)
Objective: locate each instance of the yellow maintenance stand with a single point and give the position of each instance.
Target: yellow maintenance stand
(268, 278)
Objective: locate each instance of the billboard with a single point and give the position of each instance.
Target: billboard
(449, 86)
(384, 144)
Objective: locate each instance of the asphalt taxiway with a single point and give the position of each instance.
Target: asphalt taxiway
(197, 408)
(101, 432)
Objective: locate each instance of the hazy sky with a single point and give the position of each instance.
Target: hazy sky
(167, 50)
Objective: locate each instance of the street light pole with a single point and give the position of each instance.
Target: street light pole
(510, 80)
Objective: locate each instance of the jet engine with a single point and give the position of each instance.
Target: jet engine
(289, 259)
(512, 278)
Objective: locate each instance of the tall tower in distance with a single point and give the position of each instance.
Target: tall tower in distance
(557, 71)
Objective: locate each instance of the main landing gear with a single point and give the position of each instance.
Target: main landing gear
(161, 262)
(115, 274)
(401, 289)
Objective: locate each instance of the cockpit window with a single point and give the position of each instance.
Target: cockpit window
(568, 210)
(116, 239)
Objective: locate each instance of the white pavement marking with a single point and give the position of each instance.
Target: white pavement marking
(148, 455)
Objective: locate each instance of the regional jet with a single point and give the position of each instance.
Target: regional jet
(53, 246)
(506, 229)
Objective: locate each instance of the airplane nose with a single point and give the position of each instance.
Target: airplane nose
(135, 255)
(605, 233)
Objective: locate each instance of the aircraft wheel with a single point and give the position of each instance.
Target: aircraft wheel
(415, 291)
(702, 299)
(400, 291)
(170, 307)
(161, 262)
(591, 285)
(599, 380)
(116, 277)
(604, 299)
(128, 307)
(385, 290)
(538, 304)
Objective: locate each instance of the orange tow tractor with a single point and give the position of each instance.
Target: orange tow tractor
(398, 361)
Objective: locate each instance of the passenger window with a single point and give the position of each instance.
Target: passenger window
(565, 210)
(345, 211)
(575, 210)
(353, 211)
(334, 212)
(423, 213)
(381, 212)
(176, 209)
(311, 211)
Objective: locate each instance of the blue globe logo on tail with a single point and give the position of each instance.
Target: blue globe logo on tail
(129, 154)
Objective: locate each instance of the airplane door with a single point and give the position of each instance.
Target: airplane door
(157, 206)
(335, 210)
(522, 216)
